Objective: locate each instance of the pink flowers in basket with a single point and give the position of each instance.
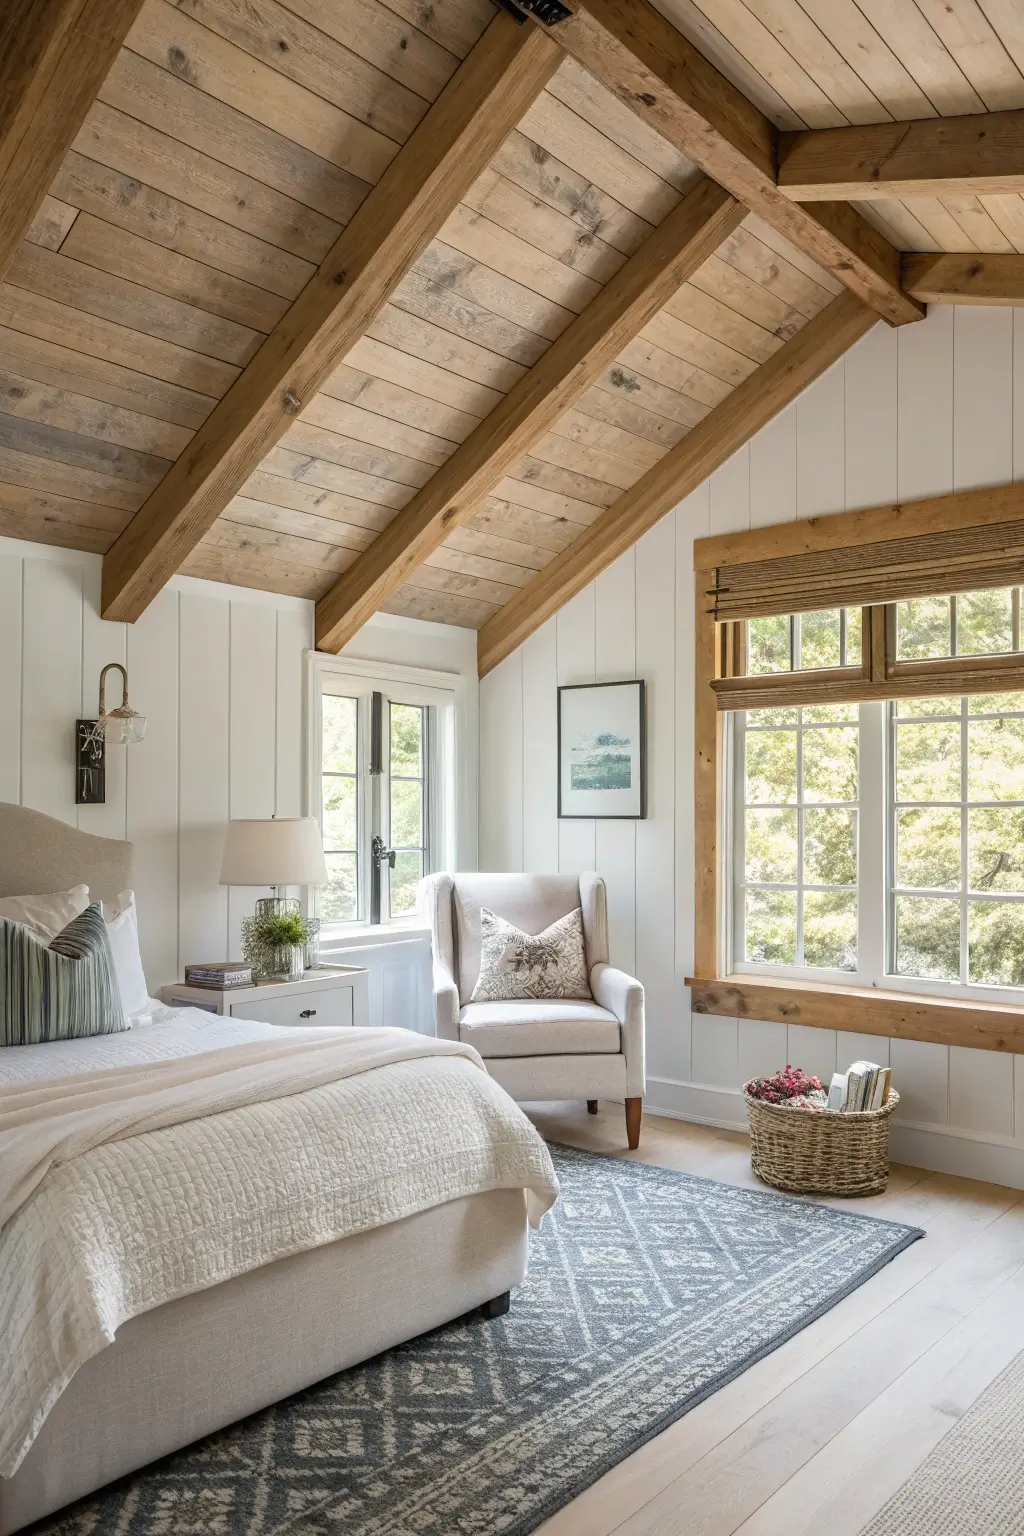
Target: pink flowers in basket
(791, 1087)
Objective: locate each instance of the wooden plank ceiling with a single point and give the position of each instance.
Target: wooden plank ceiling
(828, 63)
(231, 143)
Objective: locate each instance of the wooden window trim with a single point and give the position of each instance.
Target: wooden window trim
(863, 1010)
(718, 689)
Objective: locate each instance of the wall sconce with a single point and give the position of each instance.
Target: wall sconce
(121, 726)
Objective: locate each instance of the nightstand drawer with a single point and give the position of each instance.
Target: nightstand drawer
(326, 1006)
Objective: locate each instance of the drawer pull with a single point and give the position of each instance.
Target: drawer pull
(308, 1013)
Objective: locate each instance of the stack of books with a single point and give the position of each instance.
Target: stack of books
(864, 1085)
(219, 973)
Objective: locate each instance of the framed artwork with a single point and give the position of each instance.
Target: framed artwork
(602, 750)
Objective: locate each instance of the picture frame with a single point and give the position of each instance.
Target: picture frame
(602, 751)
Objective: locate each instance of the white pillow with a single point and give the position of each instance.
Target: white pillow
(46, 915)
(123, 933)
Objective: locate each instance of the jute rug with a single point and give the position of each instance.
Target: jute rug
(648, 1290)
(972, 1484)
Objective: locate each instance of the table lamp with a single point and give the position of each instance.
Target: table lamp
(279, 852)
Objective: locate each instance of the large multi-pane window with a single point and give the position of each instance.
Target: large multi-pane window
(880, 838)
(382, 795)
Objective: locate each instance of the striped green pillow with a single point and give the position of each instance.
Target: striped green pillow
(60, 992)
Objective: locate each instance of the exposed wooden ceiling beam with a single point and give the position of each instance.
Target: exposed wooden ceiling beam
(970, 278)
(666, 81)
(935, 157)
(680, 244)
(54, 56)
(429, 176)
(750, 406)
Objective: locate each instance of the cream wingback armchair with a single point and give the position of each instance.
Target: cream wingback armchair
(556, 1049)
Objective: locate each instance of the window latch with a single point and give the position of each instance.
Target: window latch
(380, 854)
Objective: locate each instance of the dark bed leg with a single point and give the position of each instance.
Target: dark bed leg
(591, 1106)
(497, 1306)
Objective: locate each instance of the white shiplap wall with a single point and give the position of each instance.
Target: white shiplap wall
(926, 409)
(220, 673)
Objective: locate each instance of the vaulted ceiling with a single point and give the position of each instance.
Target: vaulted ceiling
(412, 307)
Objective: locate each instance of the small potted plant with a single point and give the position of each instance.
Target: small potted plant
(274, 944)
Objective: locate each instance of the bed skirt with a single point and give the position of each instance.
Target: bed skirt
(197, 1364)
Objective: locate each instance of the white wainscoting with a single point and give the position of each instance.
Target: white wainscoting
(926, 409)
(219, 671)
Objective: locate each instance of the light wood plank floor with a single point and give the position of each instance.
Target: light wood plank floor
(815, 1438)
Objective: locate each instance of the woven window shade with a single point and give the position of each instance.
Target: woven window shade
(926, 565)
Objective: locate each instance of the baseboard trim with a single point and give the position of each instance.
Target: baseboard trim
(940, 1149)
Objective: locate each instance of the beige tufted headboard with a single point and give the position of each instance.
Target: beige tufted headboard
(40, 854)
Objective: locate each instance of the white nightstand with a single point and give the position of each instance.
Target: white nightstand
(330, 995)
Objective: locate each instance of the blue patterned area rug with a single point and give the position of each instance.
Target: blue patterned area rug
(648, 1290)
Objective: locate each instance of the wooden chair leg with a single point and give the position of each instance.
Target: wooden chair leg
(591, 1106)
(634, 1110)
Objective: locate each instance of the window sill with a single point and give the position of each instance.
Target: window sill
(862, 1010)
(365, 935)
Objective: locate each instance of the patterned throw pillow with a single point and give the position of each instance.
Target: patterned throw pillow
(62, 992)
(517, 965)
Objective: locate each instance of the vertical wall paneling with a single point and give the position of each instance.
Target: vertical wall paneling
(252, 770)
(204, 764)
(924, 405)
(812, 1049)
(11, 576)
(920, 1072)
(714, 1051)
(981, 1091)
(293, 641)
(574, 628)
(103, 642)
(1018, 394)
(773, 471)
(667, 999)
(821, 445)
(615, 841)
(762, 1049)
(540, 752)
(854, 1047)
(871, 419)
(52, 685)
(730, 494)
(151, 768)
(982, 396)
(502, 733)
(905, 414)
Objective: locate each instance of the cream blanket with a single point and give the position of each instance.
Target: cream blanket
(124, 1188)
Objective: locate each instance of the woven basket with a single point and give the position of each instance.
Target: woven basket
(814, 1152)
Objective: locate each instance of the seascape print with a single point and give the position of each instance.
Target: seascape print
(604, 761)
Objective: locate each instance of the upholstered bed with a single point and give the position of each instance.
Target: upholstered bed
(212, 1355)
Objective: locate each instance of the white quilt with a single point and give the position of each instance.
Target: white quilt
(129, 1224)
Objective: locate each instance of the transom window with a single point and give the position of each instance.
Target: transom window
(975, 624)
(798, 642)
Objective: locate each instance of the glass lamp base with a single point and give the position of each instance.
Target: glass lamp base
(276, 906)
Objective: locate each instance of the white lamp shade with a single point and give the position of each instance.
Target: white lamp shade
(285, 851)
